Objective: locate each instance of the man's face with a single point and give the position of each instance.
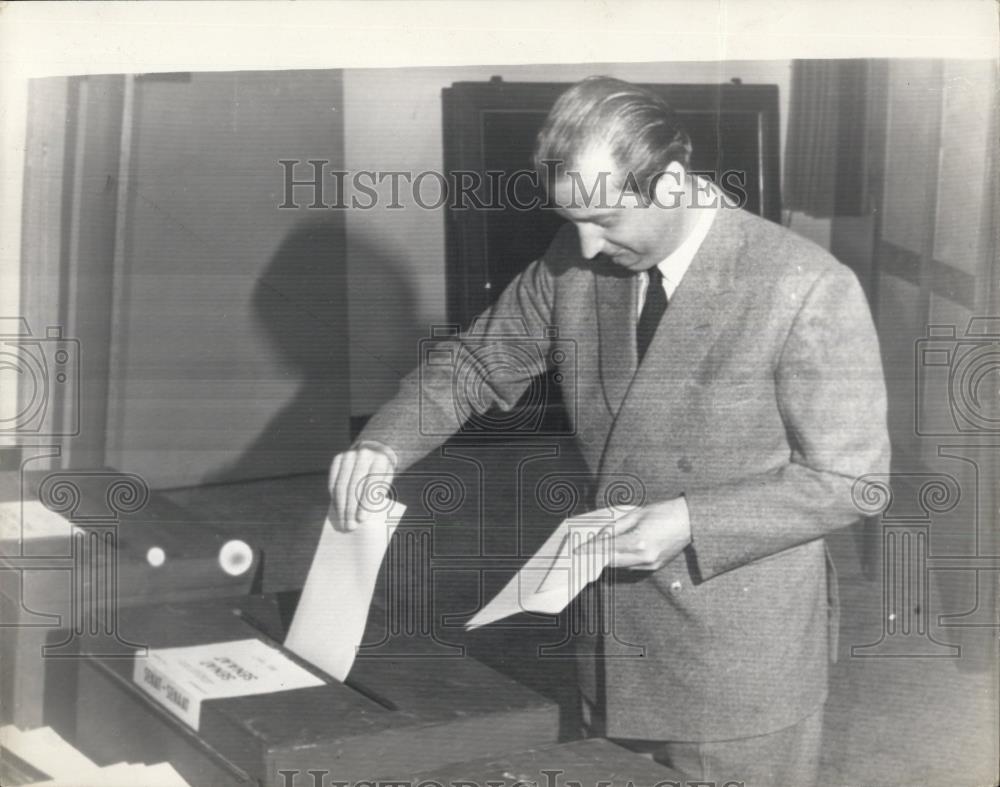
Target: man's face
(631, 233)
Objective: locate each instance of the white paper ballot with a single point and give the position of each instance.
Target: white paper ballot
(330, 619)
(45, 749)
(108, 776)
(181, 679)
(121, 775)
(556, 573)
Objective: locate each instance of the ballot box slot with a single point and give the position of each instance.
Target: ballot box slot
(265, 633)
(371, 694)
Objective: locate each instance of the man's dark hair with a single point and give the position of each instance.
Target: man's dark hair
(640, 129)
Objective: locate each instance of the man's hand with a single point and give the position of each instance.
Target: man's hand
(649, 537)
(348, 474)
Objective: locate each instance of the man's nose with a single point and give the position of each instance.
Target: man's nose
(591, 240)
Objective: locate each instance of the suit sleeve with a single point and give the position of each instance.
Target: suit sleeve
(489, 366)
(831, 395)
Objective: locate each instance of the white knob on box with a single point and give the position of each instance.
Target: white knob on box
(235, 557)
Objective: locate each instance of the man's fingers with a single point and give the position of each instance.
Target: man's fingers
(636, 556)
(351, 475)
(331, 483)
(628, 550)
(355, 489)
(625, 528)
(334, 469)
(629, 543)
(611, 532)
(379, 475)
(371, 468)
(341, 487)
(626, 538)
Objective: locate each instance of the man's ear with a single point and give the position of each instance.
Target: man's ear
(670, 185)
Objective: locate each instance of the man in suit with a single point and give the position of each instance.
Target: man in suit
(729, 366)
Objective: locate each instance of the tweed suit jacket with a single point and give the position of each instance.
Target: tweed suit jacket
(761, 399)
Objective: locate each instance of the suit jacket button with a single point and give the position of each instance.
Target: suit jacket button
(675, 586)
(684, 464)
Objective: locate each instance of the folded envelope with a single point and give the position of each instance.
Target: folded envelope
(570, 559)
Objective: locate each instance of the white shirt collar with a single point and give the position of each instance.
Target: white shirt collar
(675, 265)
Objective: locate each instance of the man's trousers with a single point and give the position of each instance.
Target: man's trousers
(786, 758)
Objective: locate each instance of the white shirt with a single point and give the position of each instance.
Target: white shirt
(675, 265)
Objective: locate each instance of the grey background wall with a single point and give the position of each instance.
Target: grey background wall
(212, 324)
(228, 355)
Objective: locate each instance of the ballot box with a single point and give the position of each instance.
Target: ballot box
(592, 761)
(392, 715)
(76, 547)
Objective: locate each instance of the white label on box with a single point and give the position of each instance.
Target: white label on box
(181, 679)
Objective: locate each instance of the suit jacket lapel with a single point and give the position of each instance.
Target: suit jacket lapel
(616, 295)
(702, 303)
(702, 306)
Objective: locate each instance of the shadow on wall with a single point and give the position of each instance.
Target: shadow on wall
(300, 306)
(386, 310)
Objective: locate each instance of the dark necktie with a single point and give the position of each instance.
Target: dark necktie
(652, 311)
